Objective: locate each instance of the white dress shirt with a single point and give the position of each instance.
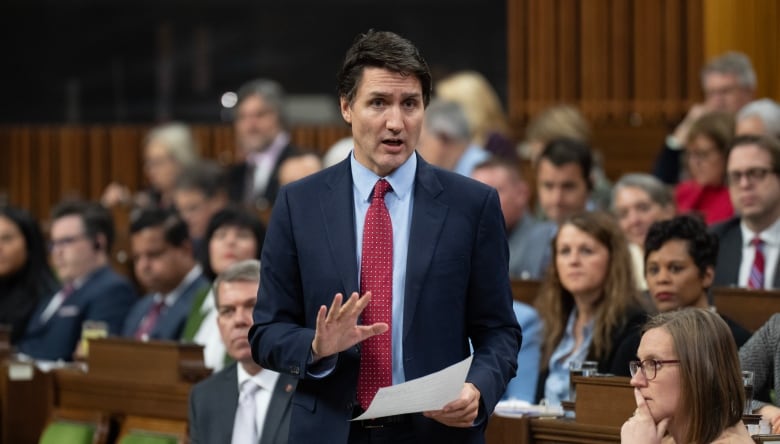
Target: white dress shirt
(266, 379)
(771, 238)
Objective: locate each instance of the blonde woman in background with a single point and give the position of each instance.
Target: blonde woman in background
(168, 149)
(488, 122)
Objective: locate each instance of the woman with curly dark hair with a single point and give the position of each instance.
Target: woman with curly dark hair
(680, 258)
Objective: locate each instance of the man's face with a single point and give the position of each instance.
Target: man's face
(562, 190)
(386, 115)
(234, 317)
(159, 266)
(196, 209)
(73, 253)
(512, 192)
(722, 92)
(257, 125)
(756, 194)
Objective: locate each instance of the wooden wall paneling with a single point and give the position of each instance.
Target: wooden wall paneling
(647, 60)
(594, 68)
(694, 52)
(125, 144)
(517, 62)
(569, 28)
(542, 55)
(672, 61)
(70, 144)
(620, 68)
(20, 187)
(99, 172)
(224, 144)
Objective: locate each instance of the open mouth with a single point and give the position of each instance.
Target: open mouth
(393, 142)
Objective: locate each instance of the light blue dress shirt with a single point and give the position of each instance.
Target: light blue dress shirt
(399, 203)
(523, 385)
(556, 388)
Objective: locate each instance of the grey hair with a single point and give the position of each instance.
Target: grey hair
(765, 109)
(178, 141)
(244, 271)
(658, 192)
(270, 91)
(735, 63)
(448, 118)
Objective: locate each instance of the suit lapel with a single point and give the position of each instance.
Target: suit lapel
(428, 217)
(226, 403)
(280, 400)
(338, 211)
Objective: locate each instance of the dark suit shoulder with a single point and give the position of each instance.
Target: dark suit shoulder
(216, 383)
(726, 227)
(740, 333)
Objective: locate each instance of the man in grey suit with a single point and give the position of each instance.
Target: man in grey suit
(528, 238)
(218, 413)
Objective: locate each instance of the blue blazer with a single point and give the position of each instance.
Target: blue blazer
(523, 386)
(105, 296)
(213, 404)
(171, 321)
(457, 288)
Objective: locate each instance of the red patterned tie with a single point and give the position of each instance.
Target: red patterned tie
(756, 278)
(376, 276)
(149, 321)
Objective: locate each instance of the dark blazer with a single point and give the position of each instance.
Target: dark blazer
(730, 255)
(457, 288)
(171, 321)
(213, 404)
(105, 296)
(239, 178)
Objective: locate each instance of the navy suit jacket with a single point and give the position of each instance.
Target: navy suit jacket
(213, 404)
(730, 255)
(105, 296)
(457, 287)
(171, 321)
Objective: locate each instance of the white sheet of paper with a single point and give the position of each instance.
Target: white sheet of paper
(431, 392)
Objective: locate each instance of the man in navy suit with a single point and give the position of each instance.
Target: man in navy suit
(449, 269)
(81, 237)
(214, 403)
(164, 265)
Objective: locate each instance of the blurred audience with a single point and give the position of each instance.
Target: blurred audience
(487, 121)
(638, 200)
(165, 267)
(750, 242)
(233, 235)
(589, 303)
(446, 139)
(706, 193)
(200, 191)
(729, 83)
(167, 149)
(680, 262)
(298, 167)
(563, 179)
(82, 234)
(338, 152)
(263, 143)
(25, 276)
(528, 238)
(687, 383)
(759, 117)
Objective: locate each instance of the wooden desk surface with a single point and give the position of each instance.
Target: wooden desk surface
(748, 308)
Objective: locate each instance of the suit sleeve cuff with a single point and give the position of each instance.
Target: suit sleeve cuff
(321, 368)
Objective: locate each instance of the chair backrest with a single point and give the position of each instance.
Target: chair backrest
(144, 430)
(73, 426)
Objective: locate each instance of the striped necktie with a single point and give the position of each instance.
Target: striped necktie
(756, 279)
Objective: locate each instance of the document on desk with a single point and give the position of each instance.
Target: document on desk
(431, 392)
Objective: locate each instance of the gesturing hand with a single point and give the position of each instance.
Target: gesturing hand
(337, 328)
(641, 428)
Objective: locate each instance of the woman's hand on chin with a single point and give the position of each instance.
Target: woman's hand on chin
(641, 428)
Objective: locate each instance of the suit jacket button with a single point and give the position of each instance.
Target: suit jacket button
(295, 370)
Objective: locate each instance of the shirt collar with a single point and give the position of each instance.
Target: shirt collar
(402, 179)
(170, 298)
(272, 151)
(770, 236)
(265, 378)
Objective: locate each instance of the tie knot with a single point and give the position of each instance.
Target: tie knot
(381, 188)
(249, 388)
(757, 242)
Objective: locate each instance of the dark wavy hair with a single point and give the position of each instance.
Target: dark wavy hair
(382, 49)
(702, 245)
(21, 291)
(232, 216)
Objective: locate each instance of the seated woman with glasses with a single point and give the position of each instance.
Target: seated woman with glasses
(705, 156)
(589, 303)
(687, 382)
(761, 355)
(680, 258)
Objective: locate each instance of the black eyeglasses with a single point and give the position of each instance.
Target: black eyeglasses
(649, 367)
(68, 240)
(752, 175)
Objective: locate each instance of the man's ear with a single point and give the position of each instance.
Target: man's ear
(346, 111)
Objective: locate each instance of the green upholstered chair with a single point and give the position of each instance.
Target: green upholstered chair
(68, 432)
